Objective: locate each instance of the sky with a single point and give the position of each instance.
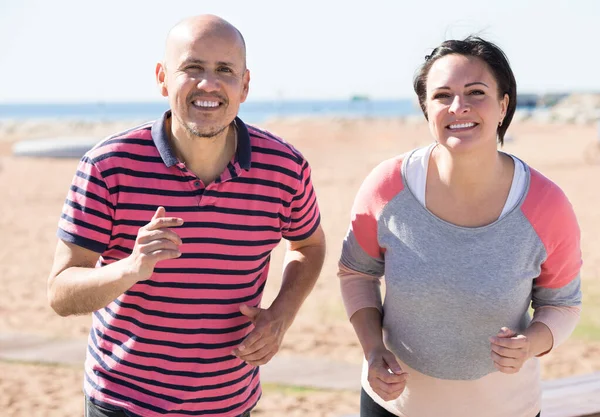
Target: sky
(83, 51)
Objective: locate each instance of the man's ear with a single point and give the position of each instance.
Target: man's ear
(161, 78)
(245, 85)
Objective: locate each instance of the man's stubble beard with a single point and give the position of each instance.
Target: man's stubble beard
(199, 134)
(204, 135)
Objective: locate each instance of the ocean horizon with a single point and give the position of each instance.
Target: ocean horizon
(250, 112)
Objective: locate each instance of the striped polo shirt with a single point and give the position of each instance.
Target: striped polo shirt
(164, 346)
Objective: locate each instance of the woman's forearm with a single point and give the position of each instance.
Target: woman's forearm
(367, 325)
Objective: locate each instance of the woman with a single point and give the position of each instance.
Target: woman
(468, 238)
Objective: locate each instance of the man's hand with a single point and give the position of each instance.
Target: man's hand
(76, 286)
(263, 342)
(385, 376)
(509, 350)
(154, 243)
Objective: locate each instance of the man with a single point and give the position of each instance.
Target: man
(166, 236)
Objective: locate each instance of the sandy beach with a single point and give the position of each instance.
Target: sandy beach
(341, 152)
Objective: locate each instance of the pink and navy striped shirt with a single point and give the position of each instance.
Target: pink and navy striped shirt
(163, 348)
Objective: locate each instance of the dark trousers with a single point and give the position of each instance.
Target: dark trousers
(369, 408)
(93, 410)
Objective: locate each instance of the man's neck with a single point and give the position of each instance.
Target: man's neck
(205, 157)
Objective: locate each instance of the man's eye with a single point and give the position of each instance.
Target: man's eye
(225, 69)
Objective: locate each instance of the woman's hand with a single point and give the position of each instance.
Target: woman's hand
(386, 377)
(510, 350)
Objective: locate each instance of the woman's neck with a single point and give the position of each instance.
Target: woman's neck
(471, 175)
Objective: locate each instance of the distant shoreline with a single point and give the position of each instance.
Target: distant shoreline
(12, 130)
(34, 121)
(251, 112)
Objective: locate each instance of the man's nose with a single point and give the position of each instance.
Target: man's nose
(208, 83)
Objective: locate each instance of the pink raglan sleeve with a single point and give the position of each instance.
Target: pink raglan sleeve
(556, 297)
(361, 263)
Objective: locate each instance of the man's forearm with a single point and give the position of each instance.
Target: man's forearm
(80, 290)
(301, 270)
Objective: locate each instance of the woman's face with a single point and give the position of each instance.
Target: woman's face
(462, 103)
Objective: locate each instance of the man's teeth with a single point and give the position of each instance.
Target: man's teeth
(206, 103)
(461, 126)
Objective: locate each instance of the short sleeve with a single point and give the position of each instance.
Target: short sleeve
(304, 209)
(87, 214)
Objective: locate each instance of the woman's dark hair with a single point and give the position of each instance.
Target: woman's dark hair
(486, 51)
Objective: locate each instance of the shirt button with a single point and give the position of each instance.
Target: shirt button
(197, 183)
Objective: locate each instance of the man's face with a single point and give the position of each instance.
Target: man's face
(205, 78)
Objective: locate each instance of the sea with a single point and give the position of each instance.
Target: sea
(254, 112)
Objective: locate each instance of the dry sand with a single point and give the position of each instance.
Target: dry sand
(341, 153)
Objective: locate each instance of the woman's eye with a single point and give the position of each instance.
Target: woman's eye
(477, 92)
(440, 96)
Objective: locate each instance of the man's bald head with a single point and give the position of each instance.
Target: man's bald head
(204, 75)
(202, 26)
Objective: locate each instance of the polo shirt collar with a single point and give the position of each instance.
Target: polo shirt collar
(160, 137)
